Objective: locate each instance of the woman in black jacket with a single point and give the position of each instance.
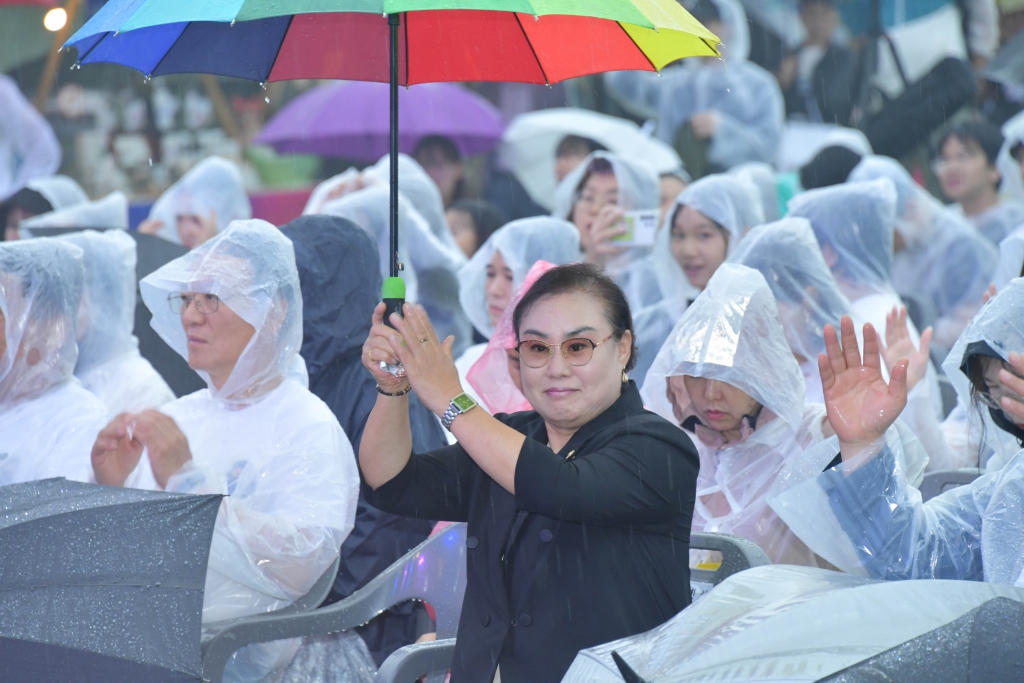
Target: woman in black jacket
(579, 513)
(339, 273)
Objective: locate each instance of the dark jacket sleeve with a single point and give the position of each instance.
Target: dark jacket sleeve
(634, 479)
(432, 485)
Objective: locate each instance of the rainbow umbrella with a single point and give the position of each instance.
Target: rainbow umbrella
(401, 42)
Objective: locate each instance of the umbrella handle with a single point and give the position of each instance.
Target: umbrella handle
(394, 298)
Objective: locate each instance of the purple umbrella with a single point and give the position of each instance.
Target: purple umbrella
(350, 119)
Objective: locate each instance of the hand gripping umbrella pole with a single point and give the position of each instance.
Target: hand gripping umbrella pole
(394, 287)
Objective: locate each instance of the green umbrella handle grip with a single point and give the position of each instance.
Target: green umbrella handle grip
(394, 299)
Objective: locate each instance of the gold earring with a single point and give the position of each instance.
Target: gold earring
(625, 378)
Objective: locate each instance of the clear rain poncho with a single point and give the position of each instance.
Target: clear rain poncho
(262, 438)
(28, 146)
(418, 188)
(946, 264)
(865, 518)
(430, 266)
(656, 286)
(48, 422)
(521, 243)
(1011, 259)
(854, 224)
(109, 364)
(788, 256)
(762, 177)
(213, 185)
(973, 435)
(109, 213)
(732, 334)
(1012, 186)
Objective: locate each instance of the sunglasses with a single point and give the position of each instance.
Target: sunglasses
(578, 351)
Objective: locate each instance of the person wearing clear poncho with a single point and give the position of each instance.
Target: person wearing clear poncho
(430, 256)
(488, 281)
(858, 511)
(726, 375)
(788, 256)
(47, 420)
(854, 224)
(109, 364)
(204, 201)
(233, 309)
(703, 227)
(1011, 260)
(731, 105)
(940, 260)
(28, 146)
(595, 196)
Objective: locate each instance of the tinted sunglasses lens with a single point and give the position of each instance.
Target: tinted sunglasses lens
(578, 351)
(534, 354)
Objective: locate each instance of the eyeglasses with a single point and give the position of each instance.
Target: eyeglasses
(205, 303)
(578, 351)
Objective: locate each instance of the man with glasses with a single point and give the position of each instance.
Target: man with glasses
(233, 308)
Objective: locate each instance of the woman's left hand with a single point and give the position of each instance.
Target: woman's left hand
(428, 363)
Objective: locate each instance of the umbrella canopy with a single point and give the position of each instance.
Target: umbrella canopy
(529, 144)
(488, 40)
(310, 124)
(794, 624)
(101, 584)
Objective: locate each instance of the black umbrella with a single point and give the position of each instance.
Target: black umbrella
(101, 584)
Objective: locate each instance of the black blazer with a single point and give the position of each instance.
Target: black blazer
(593, 547)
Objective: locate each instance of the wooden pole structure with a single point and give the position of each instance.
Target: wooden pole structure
(52, 61)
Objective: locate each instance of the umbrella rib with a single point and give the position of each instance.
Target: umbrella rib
(167, 51)
(532, 49)
(277, 54)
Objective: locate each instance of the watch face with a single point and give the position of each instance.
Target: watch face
(463, 402)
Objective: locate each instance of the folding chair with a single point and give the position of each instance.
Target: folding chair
(937, 483)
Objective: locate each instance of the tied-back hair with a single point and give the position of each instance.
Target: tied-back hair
(586, 278)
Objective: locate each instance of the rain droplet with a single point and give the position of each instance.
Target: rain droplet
(232, 23)
(267, 100)
(115, 33)
(263, 84)
(151, 161)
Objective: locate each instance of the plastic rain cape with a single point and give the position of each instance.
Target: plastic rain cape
(865, 518)
(656, 286)
(48, 422)
(1011, 259)
(971, 434)
(732, 334)
(109, 213)
(521, 244)
(213, 185)
(28, 146)
(109, 364)
(788, 256)
(946, 264)
(266, 441)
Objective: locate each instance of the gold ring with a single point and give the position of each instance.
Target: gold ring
(424, 340)
(369, 354)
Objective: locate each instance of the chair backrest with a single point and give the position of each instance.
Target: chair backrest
(937, 483)
(738, 554)
(317, 594)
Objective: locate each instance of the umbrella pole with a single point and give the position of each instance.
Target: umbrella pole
(393, 22)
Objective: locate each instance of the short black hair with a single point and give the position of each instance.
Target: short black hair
(442, 143)
(27, 199)
(577, 145)
(985, 135)
(486, 216)
(587, 278)
(704, 11)
(830, 166)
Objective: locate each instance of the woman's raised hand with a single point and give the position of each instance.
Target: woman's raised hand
(899, 346)
(597, 243)
(428, 362)
(378, 348)
(860, 405)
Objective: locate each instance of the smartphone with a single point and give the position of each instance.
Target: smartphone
(641, 228)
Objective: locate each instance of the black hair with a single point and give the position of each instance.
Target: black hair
(704, 11)
(986, 136)
(25, 198)
(573, 145)
(440, 142)
(486, 216)
(831, 166)
(587, 278)
(974, 368)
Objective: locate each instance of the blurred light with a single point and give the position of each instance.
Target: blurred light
(55, 19)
